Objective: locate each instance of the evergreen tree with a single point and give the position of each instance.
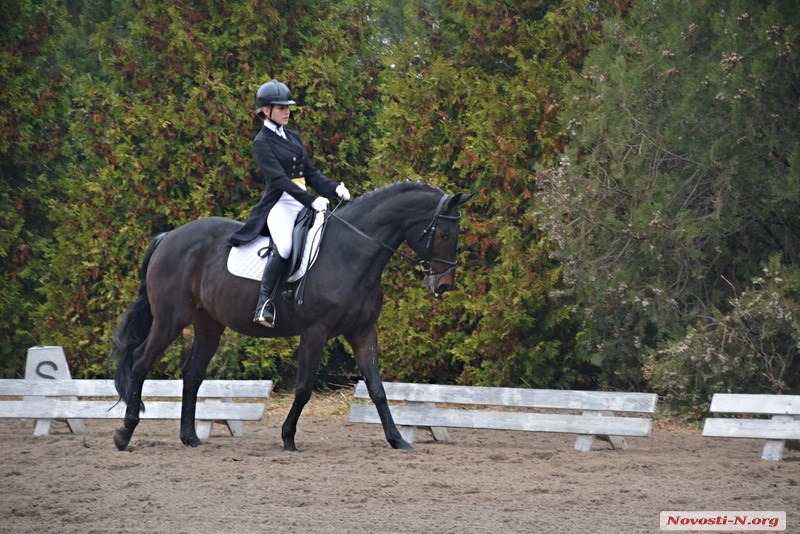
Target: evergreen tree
(469, 103)
(681, 184)
(34, 91)
(162, 135)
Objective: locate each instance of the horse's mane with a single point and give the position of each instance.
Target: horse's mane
(393, 189)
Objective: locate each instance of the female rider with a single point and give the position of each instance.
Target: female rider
(282, 157)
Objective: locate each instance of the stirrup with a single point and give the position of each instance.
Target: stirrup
(264, 317)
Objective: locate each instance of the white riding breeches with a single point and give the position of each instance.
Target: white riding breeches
(280, 222)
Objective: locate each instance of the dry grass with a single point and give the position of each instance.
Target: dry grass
(674, 423)
(330, 402)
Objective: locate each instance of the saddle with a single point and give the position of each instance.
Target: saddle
(302, 227)
(248, 260)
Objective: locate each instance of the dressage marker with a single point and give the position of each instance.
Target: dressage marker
(596, 418)
(51, 394)
(49, 363)
(783, 425)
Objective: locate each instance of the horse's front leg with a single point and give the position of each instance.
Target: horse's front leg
(365, 351)
(309, 355)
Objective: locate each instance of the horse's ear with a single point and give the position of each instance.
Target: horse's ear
(458, 199)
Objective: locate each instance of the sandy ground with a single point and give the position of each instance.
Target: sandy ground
(347, 479)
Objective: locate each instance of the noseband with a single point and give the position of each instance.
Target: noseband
(430, 231)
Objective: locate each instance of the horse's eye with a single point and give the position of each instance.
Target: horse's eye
(444, 236)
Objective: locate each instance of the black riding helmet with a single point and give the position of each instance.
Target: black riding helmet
(273, 93)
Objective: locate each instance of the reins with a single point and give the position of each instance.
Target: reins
(375, 241)
(430, 230)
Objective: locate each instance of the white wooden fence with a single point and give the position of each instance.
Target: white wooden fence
(595, 411)
(783, 424)
(48, 393)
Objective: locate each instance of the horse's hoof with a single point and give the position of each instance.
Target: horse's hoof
(401, 445)
(289, 447)
(192, 441)
(121, 439)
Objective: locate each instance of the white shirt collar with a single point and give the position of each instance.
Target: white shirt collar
(275, 128)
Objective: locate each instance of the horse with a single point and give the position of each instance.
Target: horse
(184, 280)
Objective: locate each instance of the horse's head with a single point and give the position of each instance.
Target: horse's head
(438, 241)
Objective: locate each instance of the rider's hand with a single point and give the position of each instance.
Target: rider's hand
(342, 192)
(320, 204)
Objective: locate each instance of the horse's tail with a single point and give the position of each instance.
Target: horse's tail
(134, 329)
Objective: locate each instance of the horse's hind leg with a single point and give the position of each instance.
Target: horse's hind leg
(207, 334)
(365, 352)
(144, 356)
(309, 355)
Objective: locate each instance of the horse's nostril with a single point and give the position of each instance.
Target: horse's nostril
(441, 288)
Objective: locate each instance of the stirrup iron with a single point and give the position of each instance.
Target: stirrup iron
(266, 315)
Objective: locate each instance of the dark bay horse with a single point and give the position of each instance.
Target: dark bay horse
(185, 281)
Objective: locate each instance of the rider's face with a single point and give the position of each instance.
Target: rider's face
(277, 114)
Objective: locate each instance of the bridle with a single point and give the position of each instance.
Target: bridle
(430, 231)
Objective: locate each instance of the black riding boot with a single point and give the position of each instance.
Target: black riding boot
(265, 311)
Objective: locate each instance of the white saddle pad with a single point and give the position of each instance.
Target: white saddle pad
(245, 262)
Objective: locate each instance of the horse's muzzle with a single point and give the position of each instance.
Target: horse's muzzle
(442, 282)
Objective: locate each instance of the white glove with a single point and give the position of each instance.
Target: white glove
(342, 192)
(320, 204)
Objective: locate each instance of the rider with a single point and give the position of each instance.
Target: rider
(283, 159)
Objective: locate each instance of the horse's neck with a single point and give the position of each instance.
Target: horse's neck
(383, 223)
(387, 218)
